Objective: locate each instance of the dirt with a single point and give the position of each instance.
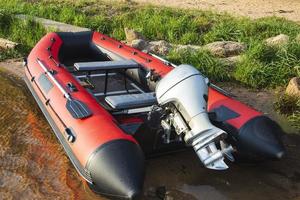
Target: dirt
(290, 9)
(33, 165)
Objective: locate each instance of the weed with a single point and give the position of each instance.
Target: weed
(290, 107)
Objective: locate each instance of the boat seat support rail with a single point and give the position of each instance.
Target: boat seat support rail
(107, 66)
(129, 101)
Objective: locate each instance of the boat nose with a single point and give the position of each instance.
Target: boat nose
(117, 169)
(262, 136)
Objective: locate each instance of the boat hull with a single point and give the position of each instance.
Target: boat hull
(101, 142)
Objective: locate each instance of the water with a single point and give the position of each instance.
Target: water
(33, 165)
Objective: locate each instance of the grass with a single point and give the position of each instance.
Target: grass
(212, 67)
(25, 32)
(261, 66)
(290, 107)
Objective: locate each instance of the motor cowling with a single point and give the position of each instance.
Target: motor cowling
(183, 93)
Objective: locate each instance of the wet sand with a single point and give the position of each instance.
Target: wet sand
(33, 165)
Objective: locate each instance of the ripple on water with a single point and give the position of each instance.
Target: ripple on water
(32, 164)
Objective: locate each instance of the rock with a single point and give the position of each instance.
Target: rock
(293, 88)
(159, 47)
(139, 44)
(132, 35)
(225, 48)
(231, 61)
(6, 44)
(298, 38)
(278, 40)
(192, 48)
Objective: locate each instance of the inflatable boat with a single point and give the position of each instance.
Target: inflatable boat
(111, 106)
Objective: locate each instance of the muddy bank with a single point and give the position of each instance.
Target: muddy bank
(33, 165)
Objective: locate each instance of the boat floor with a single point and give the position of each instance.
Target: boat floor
(116, 85)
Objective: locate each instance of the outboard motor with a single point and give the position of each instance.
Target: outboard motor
(183, 94)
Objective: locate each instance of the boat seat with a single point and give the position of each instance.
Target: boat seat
(129, 101)
(106, 65)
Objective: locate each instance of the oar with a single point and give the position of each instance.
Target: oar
(77, 109)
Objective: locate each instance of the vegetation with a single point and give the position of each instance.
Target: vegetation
(290, 107)
(261, 66)
(25, 32)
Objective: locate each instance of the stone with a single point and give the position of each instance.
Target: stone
(231, 61)
(159, 47)
(278, 40)
(298, 38)
(293, 88)
(132, 35)
(6, 44)
(139, 44)
(225, 48)
(191, 48)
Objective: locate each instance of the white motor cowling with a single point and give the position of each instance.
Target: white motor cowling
(183, 93)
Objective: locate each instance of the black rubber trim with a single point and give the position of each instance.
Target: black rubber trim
(81, 170)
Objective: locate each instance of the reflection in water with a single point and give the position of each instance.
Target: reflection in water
(33, 165)
(32, 162)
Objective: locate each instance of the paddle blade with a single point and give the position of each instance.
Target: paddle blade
(78, 109)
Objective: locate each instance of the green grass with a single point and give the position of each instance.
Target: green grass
(26, 32)
(260, 67)
(263, 66)
(212, 67)
(290, 107)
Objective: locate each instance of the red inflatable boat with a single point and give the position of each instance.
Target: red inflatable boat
(111, 105)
